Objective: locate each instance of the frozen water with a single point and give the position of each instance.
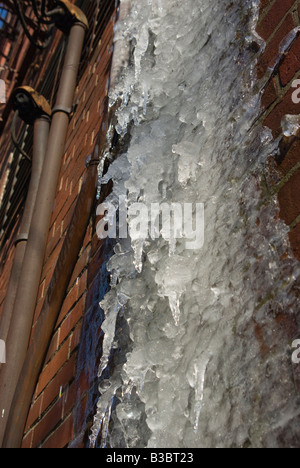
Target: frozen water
(289, 40)
(197, 346)
(290, 125)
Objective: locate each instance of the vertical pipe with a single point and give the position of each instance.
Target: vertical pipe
(43, 330)
(40, 138)
(21, 324)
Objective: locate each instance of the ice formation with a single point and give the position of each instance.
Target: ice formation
(290, 125)
(197, 346)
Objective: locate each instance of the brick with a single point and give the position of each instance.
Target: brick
(83, 283)
(54, 345)
(59, 203)
(61, 380)
(88, 237)
(43, 289)
(289, 199)
(38, 309)
(264, 4)
(83, 381)
(72, 319)
(48, 423)
(268, 58)
(54, 241)
(34, 412)
(54, 365)
(96, 261)
(57, 219)
(51, 260)
(75, 339)
(68, 304)
(269, 96)
(295, 241)
(291, 63)
(80, 420)
(27, 441)
(95, 242)
(62, 436)
(285, 106)
(94, 292)
(64, 404)
(291, 158)
(70, 398)
(81, 264)
(276, 13)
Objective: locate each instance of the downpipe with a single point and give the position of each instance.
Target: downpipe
(41, 125)
(24, 307)
(45, 325)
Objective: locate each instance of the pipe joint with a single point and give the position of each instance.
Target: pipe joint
(65, 110)
(91, 161)
(67, 14)
(22, 237)
(30, 105)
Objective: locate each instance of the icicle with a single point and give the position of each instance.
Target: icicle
(190, 328)
(290, 125)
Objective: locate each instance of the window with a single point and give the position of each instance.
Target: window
(14, 189)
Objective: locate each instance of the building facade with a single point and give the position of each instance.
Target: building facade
(65, 397)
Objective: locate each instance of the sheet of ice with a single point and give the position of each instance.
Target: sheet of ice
(197, 342)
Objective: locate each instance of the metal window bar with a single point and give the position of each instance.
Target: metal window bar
(18, 180)
(16, 187)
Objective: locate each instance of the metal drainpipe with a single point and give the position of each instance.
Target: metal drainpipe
(43, 330)
(23, 313)
(40, 138)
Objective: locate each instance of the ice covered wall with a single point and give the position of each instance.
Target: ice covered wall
(197, 347)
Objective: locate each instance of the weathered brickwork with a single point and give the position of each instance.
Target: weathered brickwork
(56, 417)
(278, 18)
(53, 418)
(67, 390)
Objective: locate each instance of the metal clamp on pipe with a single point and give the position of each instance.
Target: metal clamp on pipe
(65, 110)
(21, 238)
(67, 15)
(30, 104)
(91, 161)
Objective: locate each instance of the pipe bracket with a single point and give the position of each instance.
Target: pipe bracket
(65, 110)
(90, 161)
(22, 237)
(30, 104)
(72, 14)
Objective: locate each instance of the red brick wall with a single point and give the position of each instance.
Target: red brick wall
(61, 393)
(65, 396)
(64, 402)
(277, 19)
